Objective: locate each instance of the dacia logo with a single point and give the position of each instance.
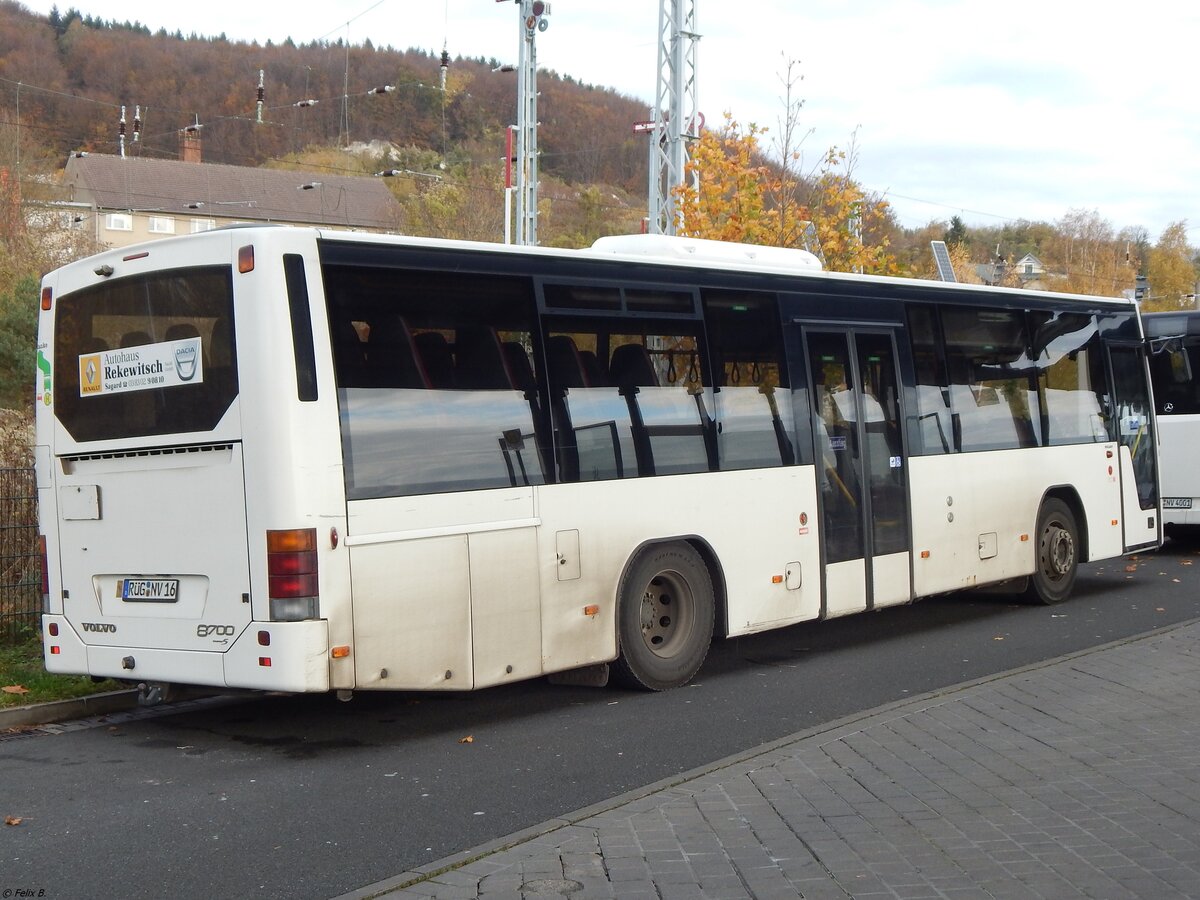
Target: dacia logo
(100, 627)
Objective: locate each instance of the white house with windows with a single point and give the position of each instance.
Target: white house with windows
(128, 200)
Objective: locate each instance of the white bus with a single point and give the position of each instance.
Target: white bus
(1174, 342)
(291, 460)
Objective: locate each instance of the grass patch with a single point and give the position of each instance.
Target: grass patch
(21, 665)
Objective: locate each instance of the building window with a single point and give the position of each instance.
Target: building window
(199, 225)
(118, 222)
(162, 225)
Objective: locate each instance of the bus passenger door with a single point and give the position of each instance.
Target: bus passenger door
(861, 469)
(1137, 449)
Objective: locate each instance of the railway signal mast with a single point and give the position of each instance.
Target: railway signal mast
(533, 18)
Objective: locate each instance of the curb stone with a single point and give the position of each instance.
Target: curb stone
(65, 710)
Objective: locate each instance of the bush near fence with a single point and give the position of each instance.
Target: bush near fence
(20, 558)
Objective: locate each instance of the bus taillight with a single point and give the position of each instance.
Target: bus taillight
(292, 574)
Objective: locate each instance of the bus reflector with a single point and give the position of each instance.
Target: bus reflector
(265, 661)
(924, 554)
(1024, 537)
(292, 584)
(47, 298)
(53, 629)
(54, 651)
(591, 609)
(264, 639)
(246, 259)
(340, 652)
(776, 579)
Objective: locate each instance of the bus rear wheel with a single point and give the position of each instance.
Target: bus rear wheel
(1057, 554)
(665, 615)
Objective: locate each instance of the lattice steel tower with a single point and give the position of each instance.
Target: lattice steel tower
(676, 113)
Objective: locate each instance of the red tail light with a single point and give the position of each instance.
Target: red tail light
(292, 574)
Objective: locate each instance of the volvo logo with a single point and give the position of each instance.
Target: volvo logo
(219, 630)
(100, 627)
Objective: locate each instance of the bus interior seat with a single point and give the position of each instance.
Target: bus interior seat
(519, 366)
(392, 360)
(480, 360)
(631, 367)
(437, 359)
(593, 369)
(94, 345)
(349, 355)
(565, 364)
(181, 331)
(135, 339)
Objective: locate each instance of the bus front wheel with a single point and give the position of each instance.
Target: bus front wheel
(664, 618)
(1057, 560)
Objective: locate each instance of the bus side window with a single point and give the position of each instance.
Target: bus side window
(1064, 345)
(992, 392)
(627, 404)
(934, 422)
(447, 399)
(753, 406)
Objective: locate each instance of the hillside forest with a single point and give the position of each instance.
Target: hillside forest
(65, 79)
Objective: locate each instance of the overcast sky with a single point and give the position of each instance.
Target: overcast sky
(992, 112)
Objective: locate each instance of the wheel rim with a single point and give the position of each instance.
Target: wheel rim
(1057, 551)
(668, 614)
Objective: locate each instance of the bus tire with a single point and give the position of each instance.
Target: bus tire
(665, 613)
(1057, 548)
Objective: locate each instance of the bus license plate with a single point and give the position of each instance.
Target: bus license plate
(150, 590)
(1177, 502)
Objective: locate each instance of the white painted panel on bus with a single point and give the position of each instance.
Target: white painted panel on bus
(412, 614)
(426, 511)
(78, 502)
(505, 606)
(183, 522)
(958, 497)
(753, 539)
(988, 545)
(1179, 476)
(891, 579)
(567, 546)
(846, 587)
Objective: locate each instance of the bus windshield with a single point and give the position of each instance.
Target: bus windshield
(144, 356)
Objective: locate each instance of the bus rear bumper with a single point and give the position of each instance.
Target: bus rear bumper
(267, 656)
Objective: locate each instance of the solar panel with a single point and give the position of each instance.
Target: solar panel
(941, 256)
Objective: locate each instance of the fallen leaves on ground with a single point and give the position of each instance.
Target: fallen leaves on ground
(15, 689)
(13, 820)
(1131, 568)
(469, 739)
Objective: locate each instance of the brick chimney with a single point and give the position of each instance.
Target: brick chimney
(190, 144)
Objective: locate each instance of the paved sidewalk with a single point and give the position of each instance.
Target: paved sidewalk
(1074, 778)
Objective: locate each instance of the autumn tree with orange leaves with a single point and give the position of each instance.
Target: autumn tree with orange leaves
(733, 193)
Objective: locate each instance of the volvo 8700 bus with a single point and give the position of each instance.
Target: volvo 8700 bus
(293, 460)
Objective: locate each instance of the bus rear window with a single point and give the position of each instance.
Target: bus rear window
(151, 355)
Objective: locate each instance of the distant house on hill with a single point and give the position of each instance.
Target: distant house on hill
(133, 199)
(1028, 270)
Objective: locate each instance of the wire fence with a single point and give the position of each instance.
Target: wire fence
(20, 557)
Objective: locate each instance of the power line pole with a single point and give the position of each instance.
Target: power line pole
(676, 114)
